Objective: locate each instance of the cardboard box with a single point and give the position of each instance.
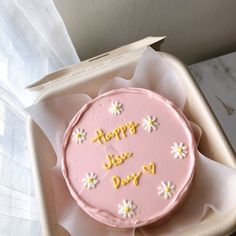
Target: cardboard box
(87, 77)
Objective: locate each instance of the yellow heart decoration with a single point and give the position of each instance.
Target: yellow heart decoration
(150, 168)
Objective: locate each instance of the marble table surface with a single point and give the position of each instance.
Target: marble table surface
(217, 79)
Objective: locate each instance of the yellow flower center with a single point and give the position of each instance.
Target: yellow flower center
(79, 136)
(90, 180)
(127, 210)
(151, 122)
(168, 189)
(180, 150)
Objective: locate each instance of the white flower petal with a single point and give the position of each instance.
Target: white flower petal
(115, 108)
(82, 135)
(90, 180)
(126, 204)
(87, 175)
(163, 184)
(172, 187)
(176, 155)
(121, 211)
(150, 123)
(166, 189)
(179, 150)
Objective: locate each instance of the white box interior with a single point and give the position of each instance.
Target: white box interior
(87, 77)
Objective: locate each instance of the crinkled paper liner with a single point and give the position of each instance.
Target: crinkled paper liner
(208, 190)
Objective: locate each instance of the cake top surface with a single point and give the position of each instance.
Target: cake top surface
(129, 157)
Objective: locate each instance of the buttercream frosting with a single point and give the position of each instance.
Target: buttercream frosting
(132, 168)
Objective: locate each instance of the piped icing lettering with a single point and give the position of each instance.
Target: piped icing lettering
(118, 133)
(113, 160)
(150, 168)
(117, 181)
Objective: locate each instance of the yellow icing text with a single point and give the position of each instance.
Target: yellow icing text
(118, 133)
(117, 181)
(150, 168)
(113, 160)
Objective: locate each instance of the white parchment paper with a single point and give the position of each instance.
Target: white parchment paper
(209, 189)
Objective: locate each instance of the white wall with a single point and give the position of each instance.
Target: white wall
(196, 29)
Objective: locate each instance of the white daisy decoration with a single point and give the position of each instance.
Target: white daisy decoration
(127, 209)
(116, 108)
(166, 189)
(150, 123)
(90, 181)
(79, 135)
(179, 150)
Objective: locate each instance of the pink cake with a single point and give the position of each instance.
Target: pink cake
(129, 157)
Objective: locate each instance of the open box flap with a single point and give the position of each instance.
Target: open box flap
(96, 61)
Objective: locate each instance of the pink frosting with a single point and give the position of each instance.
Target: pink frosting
(102, 202)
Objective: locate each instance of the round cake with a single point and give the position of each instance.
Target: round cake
(129, 157)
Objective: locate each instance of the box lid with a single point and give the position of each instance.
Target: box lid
(97, 61)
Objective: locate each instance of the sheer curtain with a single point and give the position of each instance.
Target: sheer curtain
(33, 42)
